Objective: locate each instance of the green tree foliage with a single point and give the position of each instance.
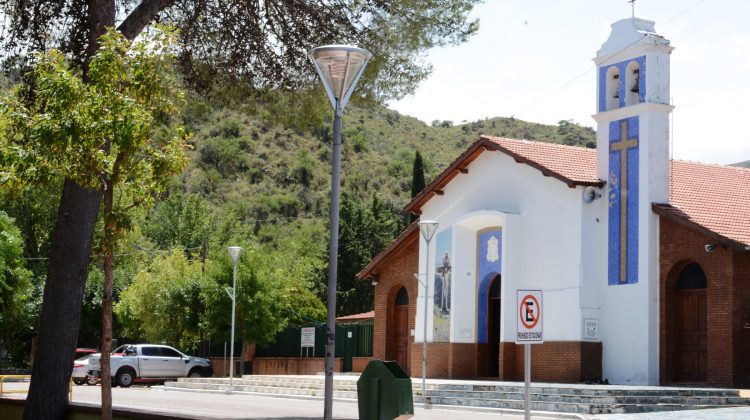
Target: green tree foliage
(111, 133)
(15, 285)
(164, 302)
(181, 220)
(272, 287)
(364, 231)
(261, 43)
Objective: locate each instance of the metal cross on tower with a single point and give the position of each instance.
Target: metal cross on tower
(632, 7)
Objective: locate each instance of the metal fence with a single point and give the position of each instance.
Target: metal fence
(352, 340)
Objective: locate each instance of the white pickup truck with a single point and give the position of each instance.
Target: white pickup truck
(130, 362)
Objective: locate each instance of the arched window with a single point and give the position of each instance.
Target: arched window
(691, 277)
(402, 297)
(613, 88)
(632, 83)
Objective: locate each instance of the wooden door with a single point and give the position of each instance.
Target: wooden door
(690, 331)
(493, 327)
(401, 335)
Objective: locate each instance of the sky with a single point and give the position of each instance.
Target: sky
(532, 59)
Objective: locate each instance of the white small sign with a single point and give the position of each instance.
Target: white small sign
(529, 321)
(308, 337)
(590, 329)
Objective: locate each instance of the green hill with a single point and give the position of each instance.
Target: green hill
(261, 169)
(745, 164)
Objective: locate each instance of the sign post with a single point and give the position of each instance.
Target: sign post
(307, 339)
(528, 331)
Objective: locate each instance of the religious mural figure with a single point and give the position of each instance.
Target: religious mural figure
(445, 285)
(442, 291)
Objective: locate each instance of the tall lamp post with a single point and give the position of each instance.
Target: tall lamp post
(339, 67)
(234, 252)
(427, 228)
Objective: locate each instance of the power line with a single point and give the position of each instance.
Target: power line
(553, 92)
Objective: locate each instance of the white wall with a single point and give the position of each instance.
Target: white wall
(541, 243)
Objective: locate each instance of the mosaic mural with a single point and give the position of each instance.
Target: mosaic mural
(443, 279)
(623, 201)
(489, 251)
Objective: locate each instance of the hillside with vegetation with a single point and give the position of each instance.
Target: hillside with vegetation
(745, 164)
(262, 168)
(258, 175)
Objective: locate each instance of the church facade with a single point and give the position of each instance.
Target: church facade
(644, 262)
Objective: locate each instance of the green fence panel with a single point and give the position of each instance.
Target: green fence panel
(287, 342)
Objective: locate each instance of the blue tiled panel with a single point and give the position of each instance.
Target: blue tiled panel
(487, 267)
(615, 198)
(621, 66)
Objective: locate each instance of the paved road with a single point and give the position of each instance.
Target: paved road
(236, 406)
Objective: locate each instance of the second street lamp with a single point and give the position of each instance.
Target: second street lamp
(234, 252)
(427, 228)
(339, 68)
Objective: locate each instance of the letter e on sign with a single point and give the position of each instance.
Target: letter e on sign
(529, 320)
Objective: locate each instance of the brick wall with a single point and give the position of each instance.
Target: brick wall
(360, 363)
(679, 246)
(292, 365)
(741, 322)
(557, 361)
(395, 271)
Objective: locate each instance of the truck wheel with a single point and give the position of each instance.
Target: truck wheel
(196, 373)
(78, 381)
(91, 380)
(125, 377)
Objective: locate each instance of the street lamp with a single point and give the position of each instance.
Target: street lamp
(234, 252)
(427, 228)
(339, 67)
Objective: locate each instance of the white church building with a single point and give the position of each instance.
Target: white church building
(644, 262)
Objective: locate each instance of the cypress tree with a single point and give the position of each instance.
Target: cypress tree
(417, 179)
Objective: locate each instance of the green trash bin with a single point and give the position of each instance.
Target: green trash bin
(384, 392)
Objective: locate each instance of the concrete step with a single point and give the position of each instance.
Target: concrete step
(565, 398)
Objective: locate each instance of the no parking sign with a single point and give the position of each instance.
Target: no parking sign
(529, 321)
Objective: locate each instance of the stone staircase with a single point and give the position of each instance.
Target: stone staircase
(560, 398)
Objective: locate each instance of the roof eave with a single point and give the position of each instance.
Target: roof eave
(461, 164)
(405, 238)
(668, 211)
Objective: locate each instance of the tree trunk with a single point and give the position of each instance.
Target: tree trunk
(60, 318)
(70, 254)
(107, 306)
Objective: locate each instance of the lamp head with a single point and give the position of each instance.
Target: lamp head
(339, 67)
(428, 228)
(234, 252)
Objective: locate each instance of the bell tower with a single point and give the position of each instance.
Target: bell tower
(633, 157)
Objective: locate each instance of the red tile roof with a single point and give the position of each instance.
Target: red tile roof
(357, 317)
(571, 165)
(712, 198)
(577, 165)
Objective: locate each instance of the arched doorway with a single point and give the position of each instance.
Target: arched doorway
(397, 341)
(689, 337)
(493, 326)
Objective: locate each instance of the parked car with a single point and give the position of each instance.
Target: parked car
(80, 372)
(131, 362)
(82, 351)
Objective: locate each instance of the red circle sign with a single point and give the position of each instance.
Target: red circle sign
(526, 310)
